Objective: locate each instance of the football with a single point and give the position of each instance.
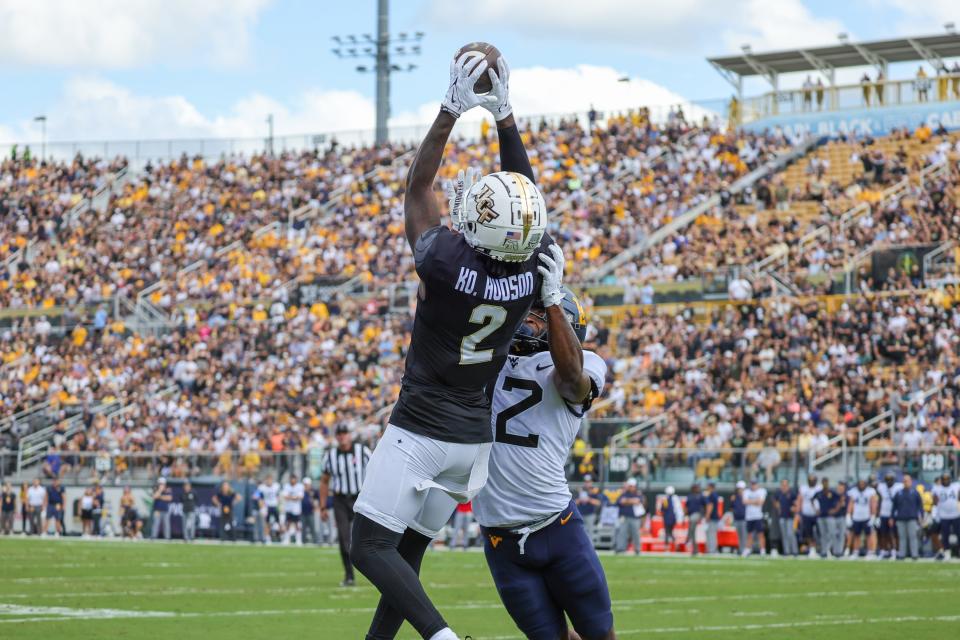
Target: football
(491, 53)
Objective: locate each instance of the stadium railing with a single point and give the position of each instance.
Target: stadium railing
(862, 95)
(654, 468)
(139, 152)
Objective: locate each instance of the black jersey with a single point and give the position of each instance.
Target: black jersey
(467, 312)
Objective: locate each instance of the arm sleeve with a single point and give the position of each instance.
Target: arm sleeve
(513, 155)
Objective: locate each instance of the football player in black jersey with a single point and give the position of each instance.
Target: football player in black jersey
(477, 282)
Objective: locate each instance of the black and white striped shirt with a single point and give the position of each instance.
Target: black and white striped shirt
(346, 469)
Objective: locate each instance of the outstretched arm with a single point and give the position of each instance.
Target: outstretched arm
(513, 155)
(565, 350)
(420, 208)
(568, 375)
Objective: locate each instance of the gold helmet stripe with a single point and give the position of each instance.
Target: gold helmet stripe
(526, 215)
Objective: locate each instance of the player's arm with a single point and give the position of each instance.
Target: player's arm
(420, 208)
(513, 155)
(874, 504)
(568, 376)
(324, 491)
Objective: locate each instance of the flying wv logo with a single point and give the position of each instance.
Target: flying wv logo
(484, 201)
(514, 361)
(495, 540)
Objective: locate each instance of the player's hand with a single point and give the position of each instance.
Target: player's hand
(551, 292)
(464, 73)
(500, 80)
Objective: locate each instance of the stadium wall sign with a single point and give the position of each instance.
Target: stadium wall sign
(875, 122)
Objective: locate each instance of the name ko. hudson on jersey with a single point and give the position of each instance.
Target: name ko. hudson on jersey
(510, 288)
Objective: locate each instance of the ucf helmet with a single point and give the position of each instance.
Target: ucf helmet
(526, 342)
(503, 215)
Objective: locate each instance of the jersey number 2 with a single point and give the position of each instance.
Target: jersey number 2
(492, 318)
(536, 395)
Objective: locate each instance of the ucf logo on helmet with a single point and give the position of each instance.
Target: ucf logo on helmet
(484, 200)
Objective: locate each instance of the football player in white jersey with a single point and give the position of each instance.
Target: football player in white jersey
(538, 550)
(861, 516)
(292, 508)
(946, 498)
(270, 492)
(808, 511)
(887, 529)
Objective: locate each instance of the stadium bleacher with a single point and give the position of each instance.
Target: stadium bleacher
(213, 247)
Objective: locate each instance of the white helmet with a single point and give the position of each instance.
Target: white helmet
(502, 215)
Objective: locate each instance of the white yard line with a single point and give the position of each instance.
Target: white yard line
(41, 614)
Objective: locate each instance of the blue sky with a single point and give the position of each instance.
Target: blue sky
(157, 68)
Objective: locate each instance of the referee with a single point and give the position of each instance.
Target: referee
(345, 466)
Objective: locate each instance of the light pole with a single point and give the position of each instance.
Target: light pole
(380, 49)
(270, 134)
(43, 136)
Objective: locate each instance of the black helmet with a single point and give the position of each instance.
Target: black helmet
(525, 342)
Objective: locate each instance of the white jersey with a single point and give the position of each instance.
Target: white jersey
(270, 493)
(293, 498)
(533, 430)
(807, 503)
(36, 496)
(861, 502)
(755, 511)
(947, 497)
(886, 498)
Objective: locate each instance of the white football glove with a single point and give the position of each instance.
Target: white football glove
(551, 291)
(464, 73)
(456, 190)
(500, 105)
(849, 521)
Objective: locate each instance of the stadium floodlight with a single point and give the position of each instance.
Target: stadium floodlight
(382, 48)
(950, 27)
(746, 48)
(843, 37)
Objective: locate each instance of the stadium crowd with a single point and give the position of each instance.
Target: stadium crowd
(213, 216)
(774, 217)
(789, 374)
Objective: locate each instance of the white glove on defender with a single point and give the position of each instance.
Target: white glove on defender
(464, 73)
(551, 292)
(500, 105)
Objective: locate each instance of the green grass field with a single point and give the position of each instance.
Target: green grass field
(78, 589)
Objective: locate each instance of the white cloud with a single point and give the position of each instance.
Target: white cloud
(675, 27)
(125, 33)
(927, 17)
(92, 108)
